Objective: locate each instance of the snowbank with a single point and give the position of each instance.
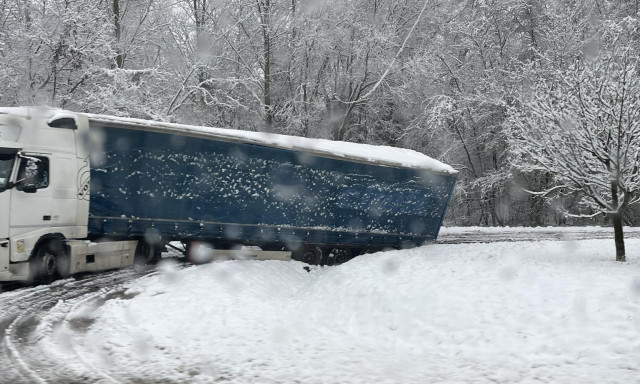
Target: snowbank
(483, 313)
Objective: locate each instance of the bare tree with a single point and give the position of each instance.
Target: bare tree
(583, 126)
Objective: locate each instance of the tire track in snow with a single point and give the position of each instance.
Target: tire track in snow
(30, 315)
(15, 352)
(68, 321)
(12, 306)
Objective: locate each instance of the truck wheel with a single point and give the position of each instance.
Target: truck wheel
(310, 254)
(147, 254)
(50, 261)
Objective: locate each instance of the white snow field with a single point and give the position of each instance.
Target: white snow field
(526, 312)
(510, 230)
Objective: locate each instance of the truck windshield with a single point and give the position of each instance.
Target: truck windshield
(6, 165)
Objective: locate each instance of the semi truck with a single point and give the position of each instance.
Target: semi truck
(84, 192)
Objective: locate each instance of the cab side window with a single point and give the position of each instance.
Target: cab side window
(34, 170)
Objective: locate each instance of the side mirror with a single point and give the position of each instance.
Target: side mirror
(29, 188)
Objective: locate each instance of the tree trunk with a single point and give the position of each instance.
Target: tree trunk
(199, 14)
(117, 23)
(268, 109)
(264, 10)
(616, 218)
(619, 237)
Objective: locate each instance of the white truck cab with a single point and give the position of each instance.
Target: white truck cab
(44, 195)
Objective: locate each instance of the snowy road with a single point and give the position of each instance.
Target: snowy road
(434, 314)
(29, 314)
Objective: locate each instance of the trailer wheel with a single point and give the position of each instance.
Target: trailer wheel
(339, 256)
(147, 254)
(310, 254)
(50, 261)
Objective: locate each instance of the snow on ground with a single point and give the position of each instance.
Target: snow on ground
(505, 230)
(548, 312)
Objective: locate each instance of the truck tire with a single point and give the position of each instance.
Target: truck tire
(49, 262)
(310, 254)
(147, 254)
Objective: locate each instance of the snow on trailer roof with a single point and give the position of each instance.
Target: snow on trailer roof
(382, 155)
(366, 153)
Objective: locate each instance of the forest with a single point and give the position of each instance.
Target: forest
(535, 103)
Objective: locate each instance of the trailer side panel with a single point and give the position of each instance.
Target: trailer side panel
(189, 187)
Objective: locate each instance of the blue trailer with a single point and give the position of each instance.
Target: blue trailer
(228, 190)
(85, 192)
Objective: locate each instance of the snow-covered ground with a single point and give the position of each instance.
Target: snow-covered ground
(547, 312)
(455, 235)
(507, 230)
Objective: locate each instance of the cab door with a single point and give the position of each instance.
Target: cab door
(32, 199)
(7, 160)
(44, 198)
